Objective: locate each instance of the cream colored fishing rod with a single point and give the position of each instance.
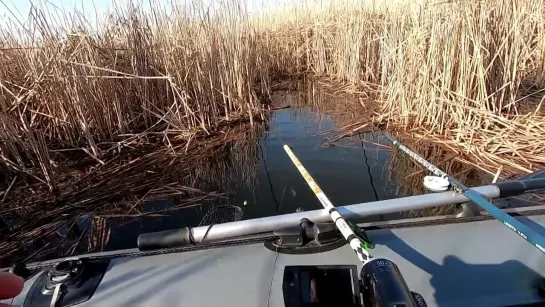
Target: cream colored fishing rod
(337, 218)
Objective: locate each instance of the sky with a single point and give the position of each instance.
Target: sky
(19, 9)
(94, 10)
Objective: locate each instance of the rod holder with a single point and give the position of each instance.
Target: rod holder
(468, 209)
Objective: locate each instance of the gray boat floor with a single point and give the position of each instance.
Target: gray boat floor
(465, 264)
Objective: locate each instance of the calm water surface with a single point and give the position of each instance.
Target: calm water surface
(354, 171)
(259, 180)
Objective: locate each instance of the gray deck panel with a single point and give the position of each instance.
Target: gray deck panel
(470, 264)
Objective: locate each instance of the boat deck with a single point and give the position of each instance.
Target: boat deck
(480, 263)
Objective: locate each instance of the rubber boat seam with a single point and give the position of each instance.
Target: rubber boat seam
(137, 253)
(270, 237)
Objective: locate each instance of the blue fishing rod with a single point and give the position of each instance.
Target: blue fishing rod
(522, 230)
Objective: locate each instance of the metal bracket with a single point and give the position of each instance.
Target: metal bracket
(468, 209)
(307, 238)
(292, 237)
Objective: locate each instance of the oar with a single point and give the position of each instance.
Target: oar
(522, 230)
(339, 221)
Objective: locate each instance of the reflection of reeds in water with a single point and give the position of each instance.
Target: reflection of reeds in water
(119, 189)
(92, 239)
(325, 101)
(350, 110)
(99, 234)
(80, 240)
(236, 162)
(409, 175)
(70, 240)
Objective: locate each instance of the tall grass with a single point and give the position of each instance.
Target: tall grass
(139, 72)
(469, 74)
(460, 72)
(466, 71)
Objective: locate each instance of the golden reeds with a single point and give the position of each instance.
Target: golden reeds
(140, 72)
(183, 173)
(466, 74)
(462, 70)
(475, 63)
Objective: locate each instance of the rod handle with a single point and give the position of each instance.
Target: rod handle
(517, 187)
(164, 239)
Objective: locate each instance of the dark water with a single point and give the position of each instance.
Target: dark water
(259, 178)
(267, 184)
(352, 172)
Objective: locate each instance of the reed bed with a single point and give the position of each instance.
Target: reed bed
(477, 85)
(465, 73)
(149, 84)
(33, 221)
(74, 88)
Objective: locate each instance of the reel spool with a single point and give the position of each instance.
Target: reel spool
(436, 183)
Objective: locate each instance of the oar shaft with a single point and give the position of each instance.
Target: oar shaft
(522, 230)
(339, 221)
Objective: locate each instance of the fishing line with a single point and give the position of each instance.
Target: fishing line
(369, 172)
(277, 212)
(368, 168)
(278, 133)
(264, 159)
(272, 275)
(282, 198)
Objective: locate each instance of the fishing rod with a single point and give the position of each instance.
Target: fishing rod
(522, 230)
(381, 277)
(337, 218)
